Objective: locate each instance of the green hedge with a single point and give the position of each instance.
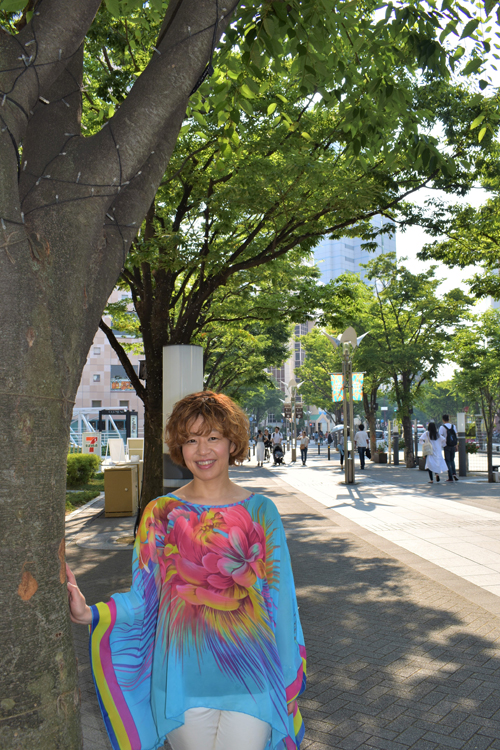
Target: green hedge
(81, 467)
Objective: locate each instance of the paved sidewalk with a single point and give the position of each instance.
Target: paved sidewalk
(397, 658)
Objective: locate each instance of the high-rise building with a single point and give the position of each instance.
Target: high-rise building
(335, 257)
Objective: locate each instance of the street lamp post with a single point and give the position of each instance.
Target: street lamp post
(291, 387)
(462, 454)
(349, 341)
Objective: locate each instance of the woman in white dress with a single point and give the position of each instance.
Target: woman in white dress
(260, 450)
(434, 463)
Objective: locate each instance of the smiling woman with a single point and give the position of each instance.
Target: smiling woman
(207, 647)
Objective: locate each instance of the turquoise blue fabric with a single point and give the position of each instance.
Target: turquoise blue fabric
(211, 620)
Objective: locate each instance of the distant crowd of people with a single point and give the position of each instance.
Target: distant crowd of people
(439, 446)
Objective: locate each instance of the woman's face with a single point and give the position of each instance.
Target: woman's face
(206, 456)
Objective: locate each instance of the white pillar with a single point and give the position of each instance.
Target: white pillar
(182, 375)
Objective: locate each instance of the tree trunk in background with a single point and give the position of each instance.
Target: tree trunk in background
(153, 434)
(408, 438)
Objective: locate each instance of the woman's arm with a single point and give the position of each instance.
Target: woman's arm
(79, 611)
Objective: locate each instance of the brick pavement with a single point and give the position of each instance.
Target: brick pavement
(396, 660)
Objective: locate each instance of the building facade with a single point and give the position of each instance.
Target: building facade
(335, 257)
(104, 383)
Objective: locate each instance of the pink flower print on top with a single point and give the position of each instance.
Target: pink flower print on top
(219, 555)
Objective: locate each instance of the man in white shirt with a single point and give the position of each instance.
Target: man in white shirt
(448, 432)
(361, 441)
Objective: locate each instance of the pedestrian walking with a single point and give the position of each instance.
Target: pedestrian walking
(361, 442)
(304, 442)
(206, 648)
(434, 461)
(268, 444)
(448, 432)
(342, 448)
(260, 449)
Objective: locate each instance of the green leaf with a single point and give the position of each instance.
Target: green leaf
(470, 27)
(114, 7)
(477, 122)
(305, 135)
(282, 98)
(269, 26)
(247, 92)
(271, 108)
(472, 66)
(246, 106)
(199, 118)
(10, 6)
(482, 133)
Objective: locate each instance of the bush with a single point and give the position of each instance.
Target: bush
(81, 467)
(471, 447)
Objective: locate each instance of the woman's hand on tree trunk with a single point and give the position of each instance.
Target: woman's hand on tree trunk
(79, 611)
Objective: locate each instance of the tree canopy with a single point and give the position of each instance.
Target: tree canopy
(477, 353)
(411, 328)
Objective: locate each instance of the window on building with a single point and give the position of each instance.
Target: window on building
(270, 418)
(96, 404)
(96, 350)
(350, 260)
(124, 404)
(96, 378)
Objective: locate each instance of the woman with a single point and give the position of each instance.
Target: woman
(207, 646)
(434, 463)
(260, 448)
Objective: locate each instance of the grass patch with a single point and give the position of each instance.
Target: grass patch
(84, 492)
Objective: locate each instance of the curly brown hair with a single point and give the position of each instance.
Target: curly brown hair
(218, 412)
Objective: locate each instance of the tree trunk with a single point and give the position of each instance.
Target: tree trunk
(408, 438)
(64, 235)
(153, 439)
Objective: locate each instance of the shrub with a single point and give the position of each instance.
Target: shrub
(381, 447)
(81, 467)
(471, 447)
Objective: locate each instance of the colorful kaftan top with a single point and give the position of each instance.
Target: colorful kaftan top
(211, 621)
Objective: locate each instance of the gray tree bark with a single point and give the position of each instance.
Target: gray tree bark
(69, 209)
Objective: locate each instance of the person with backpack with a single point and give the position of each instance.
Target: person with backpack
(448, 432)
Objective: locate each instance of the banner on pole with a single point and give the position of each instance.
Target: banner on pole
(337, 389)
(357, 386)
(337, 386)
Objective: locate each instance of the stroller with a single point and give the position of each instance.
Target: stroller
(278, 455)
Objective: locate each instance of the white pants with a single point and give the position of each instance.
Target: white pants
(210, 729)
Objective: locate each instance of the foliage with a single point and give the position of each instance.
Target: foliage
(437, 398)
(410, 327)
(320, 361)
(471, 448)
(81, 467)
(477, 353)
(261, 401)
(236, 357)
(382, 447)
